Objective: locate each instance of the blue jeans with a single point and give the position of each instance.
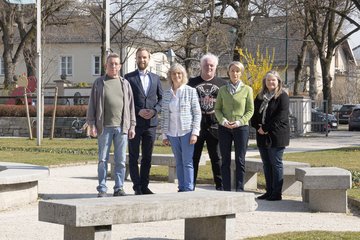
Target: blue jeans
(109, 135)
(273, 168)
(240, 136)
(183, 152)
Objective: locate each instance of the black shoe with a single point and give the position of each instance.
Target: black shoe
(276, 197)
(219, 188)
(138, 192)
(146, 191)
(119, 193)
(264, 196)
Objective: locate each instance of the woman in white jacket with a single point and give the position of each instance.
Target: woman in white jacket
(180, 124)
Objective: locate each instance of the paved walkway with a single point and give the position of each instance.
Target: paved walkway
(270, 217)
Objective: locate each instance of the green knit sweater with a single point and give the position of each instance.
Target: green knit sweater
(237, 107)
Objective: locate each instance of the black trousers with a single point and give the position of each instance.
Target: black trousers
(146, 137)
(212, 144)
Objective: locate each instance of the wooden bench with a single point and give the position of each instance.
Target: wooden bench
(208, 214)
(253, 166)
(19, 183)
(324, 188)
(157, 159)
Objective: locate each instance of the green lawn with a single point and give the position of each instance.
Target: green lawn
(311, 235)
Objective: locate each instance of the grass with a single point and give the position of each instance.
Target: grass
(310, 235)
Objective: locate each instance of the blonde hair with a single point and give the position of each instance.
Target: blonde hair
(178, 67)
(279, 88)
(237, 64)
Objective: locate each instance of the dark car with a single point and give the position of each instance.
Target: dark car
(320, 119)
(354, 119)
(345, 111)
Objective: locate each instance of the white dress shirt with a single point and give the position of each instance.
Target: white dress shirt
(145, 80)
(175, 121)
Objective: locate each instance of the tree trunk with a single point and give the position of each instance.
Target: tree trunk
(326, 80)
(299, 67)
(312, 79)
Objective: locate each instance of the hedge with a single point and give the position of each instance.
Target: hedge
(61, 111)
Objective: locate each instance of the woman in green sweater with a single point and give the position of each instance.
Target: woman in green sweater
(234, 108)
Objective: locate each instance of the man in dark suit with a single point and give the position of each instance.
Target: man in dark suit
(147, 93)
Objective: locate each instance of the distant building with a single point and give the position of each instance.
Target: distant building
(72, 52)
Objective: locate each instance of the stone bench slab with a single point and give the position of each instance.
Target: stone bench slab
(325, 188)
(19, 183)
(203, 207)
(324, 178)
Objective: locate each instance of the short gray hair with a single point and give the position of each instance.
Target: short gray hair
(112, 55)
(209, 56)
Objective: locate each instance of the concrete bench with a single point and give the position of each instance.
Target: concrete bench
(253, 166)
(157, 159)
(208, 214)
(19, 183)
(324, 188)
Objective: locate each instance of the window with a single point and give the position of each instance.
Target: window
(96, 65)
(66, 67)
(2, 68)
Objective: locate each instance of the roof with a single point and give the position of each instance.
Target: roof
(270, 33)
(83, 29)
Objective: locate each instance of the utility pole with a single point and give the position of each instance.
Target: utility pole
(286, 45)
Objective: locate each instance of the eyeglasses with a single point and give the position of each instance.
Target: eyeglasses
(114, 64)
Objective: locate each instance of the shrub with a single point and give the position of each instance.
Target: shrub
(61, 111)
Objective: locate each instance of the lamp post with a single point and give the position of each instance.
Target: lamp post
(170, 56)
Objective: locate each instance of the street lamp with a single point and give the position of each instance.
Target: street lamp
(170, 56)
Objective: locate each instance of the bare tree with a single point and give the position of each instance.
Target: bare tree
(128, 19)
(191, 25)
(23, 19)
(325, 20)
(241, 22)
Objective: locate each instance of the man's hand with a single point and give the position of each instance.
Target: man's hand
(131, 134)
(146, 113)
(93, 131)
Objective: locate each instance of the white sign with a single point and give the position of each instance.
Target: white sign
(22, 1)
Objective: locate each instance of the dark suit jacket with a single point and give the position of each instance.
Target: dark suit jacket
(152, 100)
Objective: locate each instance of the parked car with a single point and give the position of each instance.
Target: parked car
(345, 111)
(354, 119)
(320, 119)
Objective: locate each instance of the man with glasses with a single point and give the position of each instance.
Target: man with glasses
(111, 117)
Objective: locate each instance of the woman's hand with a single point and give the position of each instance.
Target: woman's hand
(261, 131)
(231, 125)
(193, 139)
(166, 142)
